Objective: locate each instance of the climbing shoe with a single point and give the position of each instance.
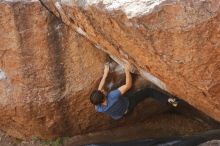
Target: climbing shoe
(173, 102)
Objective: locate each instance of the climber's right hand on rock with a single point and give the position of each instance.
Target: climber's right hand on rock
(106, 69)
(128, 67)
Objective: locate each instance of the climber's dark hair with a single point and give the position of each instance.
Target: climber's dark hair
(97, 97)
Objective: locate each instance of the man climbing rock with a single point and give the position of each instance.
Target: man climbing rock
(116, 104)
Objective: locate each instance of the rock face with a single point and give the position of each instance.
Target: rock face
(45, 69)
(176, 46)
(49, 66)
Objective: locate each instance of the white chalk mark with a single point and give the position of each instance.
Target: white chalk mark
(2, 75)
(80, 31)
(100, 48)
(119, 69)
(153, 79)
(57, 4)
(120, 62)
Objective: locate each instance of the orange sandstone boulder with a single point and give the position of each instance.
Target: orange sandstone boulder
(174, 44)
(51, 58)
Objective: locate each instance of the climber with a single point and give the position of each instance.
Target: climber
(116, 104)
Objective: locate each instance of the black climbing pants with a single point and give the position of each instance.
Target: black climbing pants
(144, 93)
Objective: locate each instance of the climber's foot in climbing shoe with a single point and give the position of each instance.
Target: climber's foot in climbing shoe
(173, 102)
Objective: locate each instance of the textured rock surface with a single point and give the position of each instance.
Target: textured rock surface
(178, 43)
(47, 70)
(44, 63)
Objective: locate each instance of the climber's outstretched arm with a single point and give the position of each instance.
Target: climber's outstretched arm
(123, 89)
(106, 70)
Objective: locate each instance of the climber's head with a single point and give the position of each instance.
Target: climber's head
(97, 97)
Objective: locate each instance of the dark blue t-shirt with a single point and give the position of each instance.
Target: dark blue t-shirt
(116, 105)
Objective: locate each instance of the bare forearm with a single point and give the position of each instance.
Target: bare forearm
(123, 89)
(102, 82)
(128, 79)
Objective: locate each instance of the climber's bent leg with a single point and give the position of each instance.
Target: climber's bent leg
(144, 93)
